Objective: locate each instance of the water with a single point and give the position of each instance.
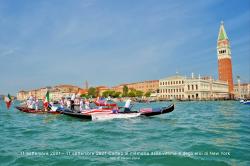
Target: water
(204, 127)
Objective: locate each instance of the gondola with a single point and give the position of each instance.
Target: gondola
(34, 111)
(112, 114)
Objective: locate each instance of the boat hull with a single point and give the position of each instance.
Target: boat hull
(34, 111)
(108, 114)
(156, 111)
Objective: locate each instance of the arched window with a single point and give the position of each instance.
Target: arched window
(188, 87)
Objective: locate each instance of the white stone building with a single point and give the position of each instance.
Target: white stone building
(182, 88)
(242, 90)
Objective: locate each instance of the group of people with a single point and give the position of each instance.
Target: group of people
(73, 101)
(32, 103)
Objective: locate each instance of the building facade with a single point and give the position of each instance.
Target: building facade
(224, 59)
(56, 92)
(242, 90)
(144, 86)
(183, 88)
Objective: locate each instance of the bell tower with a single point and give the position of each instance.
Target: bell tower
(224, 59)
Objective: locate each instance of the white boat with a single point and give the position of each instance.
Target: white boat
(242, 101)
(107, 116)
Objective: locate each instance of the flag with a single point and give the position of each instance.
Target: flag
(46, 101)
(7, 100)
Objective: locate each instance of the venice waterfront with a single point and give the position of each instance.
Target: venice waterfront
(195, 133)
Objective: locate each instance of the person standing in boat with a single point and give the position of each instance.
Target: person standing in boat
(68, 102)
(127, 107)
(81, 105)
(37, 104)
(45, 104)
(87, 104)
(62, 102)
(29, 102)
(34, 104)
(72, 100)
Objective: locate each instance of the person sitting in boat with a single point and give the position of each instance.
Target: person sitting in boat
(115, 110)
(100, 100)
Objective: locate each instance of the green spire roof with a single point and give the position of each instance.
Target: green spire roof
(222, 32)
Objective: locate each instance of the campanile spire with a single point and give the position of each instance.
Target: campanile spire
(224, 58)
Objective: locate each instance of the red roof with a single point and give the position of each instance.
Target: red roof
(82, 91)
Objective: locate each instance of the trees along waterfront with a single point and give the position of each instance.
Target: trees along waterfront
(111, 93)
(93, 92)
(147, 94)
(126, 93)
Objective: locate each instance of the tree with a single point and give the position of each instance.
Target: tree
(131, 94)
(117, 94)
(138, 93)
(83, 96)
(92, 92)
(125, 90)
(147, 94)
(108, 93)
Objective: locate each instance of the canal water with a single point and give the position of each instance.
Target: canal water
(195, 133)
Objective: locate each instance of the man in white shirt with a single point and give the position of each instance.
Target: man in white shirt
(72, 101)
(127, 106)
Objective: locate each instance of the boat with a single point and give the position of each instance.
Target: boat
(247, 102)
(116, 114)
(242, 100)
(34, 111)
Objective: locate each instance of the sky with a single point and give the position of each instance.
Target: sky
(108, 42)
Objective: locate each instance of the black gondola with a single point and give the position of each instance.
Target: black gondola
(142, 112)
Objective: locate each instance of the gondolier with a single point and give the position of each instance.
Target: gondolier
(127, 107)
(72, 101)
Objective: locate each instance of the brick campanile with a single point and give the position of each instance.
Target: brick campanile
(224, 59)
